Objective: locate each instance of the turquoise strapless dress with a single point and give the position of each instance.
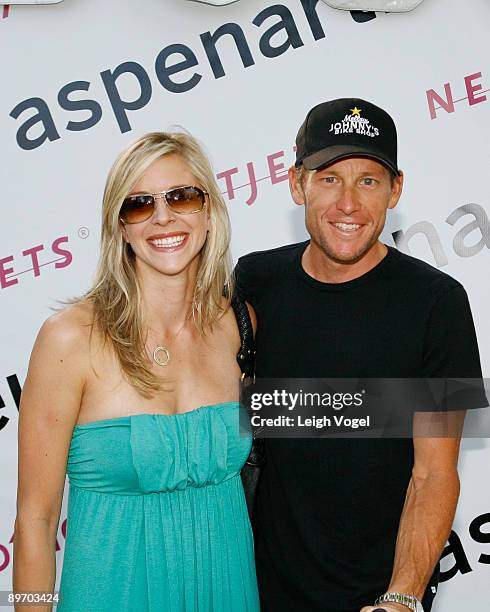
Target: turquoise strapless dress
(157, 519)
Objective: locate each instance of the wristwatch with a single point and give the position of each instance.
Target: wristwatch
(410, 601)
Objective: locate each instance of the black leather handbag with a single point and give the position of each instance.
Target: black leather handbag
(246, 360)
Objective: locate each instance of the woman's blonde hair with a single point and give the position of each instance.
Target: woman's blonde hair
(115, 295)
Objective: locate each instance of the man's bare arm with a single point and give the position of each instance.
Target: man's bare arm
(429, 509)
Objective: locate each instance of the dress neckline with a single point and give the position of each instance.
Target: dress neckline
(154, 414)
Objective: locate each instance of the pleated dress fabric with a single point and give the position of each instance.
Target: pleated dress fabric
(157, 519)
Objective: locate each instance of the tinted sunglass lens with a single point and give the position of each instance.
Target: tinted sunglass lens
(186, 199)
(137, 208)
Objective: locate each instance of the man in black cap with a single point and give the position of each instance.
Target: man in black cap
(344, 523)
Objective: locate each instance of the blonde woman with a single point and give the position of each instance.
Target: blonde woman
(132, 391)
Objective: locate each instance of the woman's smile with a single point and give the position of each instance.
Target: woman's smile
(168, 242)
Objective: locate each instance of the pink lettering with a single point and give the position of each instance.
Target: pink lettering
(253, 183)
(229, 183)
(471, 89)
(6, 557)
(4, 281)
(66, 254)
(275, 168)
(447, 105)
(35, 261)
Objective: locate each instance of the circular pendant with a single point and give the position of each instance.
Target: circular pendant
(165, 359)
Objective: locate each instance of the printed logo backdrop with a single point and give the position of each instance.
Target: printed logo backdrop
(241, 78)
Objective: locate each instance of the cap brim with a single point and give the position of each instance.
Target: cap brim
(332, 154)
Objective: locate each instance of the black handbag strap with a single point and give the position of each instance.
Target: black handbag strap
(246, 360)
(246, 355)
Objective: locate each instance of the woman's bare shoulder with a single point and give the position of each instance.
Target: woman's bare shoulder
(68, 327)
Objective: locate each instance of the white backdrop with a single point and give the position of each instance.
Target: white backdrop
(247, 109)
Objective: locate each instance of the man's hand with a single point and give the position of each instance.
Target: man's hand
(386, 607)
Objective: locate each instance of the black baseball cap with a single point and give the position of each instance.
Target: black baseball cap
(347, 127)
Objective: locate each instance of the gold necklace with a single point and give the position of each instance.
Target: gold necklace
(161, 354)
(156, 356)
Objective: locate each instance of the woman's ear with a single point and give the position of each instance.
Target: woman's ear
(123, 230)
(208, 219)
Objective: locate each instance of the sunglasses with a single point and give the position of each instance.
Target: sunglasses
(182, 200)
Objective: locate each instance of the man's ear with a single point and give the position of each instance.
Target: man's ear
(295, 186)
(396, 190)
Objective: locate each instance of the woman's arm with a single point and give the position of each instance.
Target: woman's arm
(49, 409)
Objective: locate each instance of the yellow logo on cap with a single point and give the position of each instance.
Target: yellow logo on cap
(356, 111)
